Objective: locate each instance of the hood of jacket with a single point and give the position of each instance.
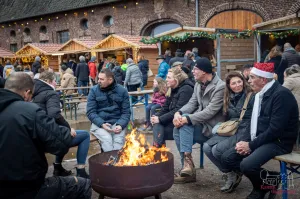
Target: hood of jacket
(187, 82)
(9, 66)
(144, 62)
(130, 65)
(291, 50)
(40, 86)
(69, 71)
(8, 97)
(295, 75)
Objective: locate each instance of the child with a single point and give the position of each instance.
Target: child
(158, 99)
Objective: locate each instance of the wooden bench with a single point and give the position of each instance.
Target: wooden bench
(73, 104)
(93, 138)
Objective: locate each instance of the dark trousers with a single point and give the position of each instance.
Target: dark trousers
(133, 88)
(161, 133)
(150, 110)
(250, 165)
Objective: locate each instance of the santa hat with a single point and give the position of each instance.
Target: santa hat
(263, 70)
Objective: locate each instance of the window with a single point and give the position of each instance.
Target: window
(84, 24)
(63, 36)
(44, 42)
(108, 21)
(27, 31)
(43, 29)
(13, 33)
(13, 47)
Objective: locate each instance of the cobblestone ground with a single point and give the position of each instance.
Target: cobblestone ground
(209, 179)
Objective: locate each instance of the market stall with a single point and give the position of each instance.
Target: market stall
(6, 55)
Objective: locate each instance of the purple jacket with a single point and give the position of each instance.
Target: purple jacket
(158, 98)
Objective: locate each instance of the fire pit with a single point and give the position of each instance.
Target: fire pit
(137, 171)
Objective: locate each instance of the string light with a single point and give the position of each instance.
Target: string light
(27, 23)
(85, 13)
(41, 18)
(49, 19)
(92, 10)
(2, 26)
(56, 17)
(15, 23)
(66, 14)
(113, 6)
(125, 7)
(9, 25)
(137, 3)
(35, 20)
(22, 24)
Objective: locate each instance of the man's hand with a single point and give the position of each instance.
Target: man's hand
(117, 129)
(177, 119)
(107, 127)
(73, 132)
(243, 148)
(154, 120)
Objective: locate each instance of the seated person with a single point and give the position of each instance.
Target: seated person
(179, 92)
(195, 120)
(46, 97)
(273, 131)
(108, 108)
(236, 92)
(27, 133)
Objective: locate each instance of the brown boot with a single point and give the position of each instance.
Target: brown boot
(181, 180)
(188, 166)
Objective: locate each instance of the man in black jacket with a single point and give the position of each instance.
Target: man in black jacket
(27, 133)
(273, 130)
(82, 74)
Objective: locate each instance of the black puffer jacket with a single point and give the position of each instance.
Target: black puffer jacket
(35, 67)
(144, 67)
(291, 56)
(118, 73)
(27, 133)
(82, 72)
(45, 96)
(179, 97)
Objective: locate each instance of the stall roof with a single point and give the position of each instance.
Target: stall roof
(38, 49)
(287, 22)
(6, 53)
(77, 45)
(181, 30)
(115, 42)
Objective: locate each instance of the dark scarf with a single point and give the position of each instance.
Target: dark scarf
(109, 88)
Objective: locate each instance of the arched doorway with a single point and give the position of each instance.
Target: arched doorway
(159, 26)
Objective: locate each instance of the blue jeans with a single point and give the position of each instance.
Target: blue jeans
(150, 110)
(83, 84)
(161, 133)
(82, 140)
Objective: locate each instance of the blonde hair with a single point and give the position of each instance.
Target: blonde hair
(178, 75)
(161, 85)
(275, 51)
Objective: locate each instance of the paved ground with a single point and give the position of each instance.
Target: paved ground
(209, 179)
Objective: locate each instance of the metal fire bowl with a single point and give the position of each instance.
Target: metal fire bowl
(130, 181)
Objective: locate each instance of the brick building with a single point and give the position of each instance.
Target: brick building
(57, 21)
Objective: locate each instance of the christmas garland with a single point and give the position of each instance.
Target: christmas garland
(242, 34)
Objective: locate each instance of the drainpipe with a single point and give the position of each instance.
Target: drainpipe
(197, 13)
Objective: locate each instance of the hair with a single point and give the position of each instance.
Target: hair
(179, 77)
(19, 82)
(47, 76)
(195, 50)
(82, 58)
(247, 66)
(168, 52)
(246, 89)
(161, 85)
(40, 70)
(275, 51)
(8, 62)
(108, 73)
(129, 61)
(141, 57)
(64, 67)
(292, 70)
(37, 58)
(297, 47)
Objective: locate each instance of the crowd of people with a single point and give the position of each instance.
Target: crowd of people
(190, 104)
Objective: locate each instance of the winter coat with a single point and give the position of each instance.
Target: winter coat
(158, 98)
(175, 59)
(47, 98)
(108, 105)
(205, 107)
(163, 70)
(291, 56)
(292, 83)
(82, 72)
(73, 66)
(188, 63)
(35, 67)
(133, 75)
(1, 70)
(118, 73)
(167, 59)
(179, 97)
(93, 70)
(278, 119)
(8, 67)
(2, 82)
(196, 56)
(25, 138)
(279, 65)
(144, 67)
(68, 81)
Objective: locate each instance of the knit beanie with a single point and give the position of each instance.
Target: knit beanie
(204, 65)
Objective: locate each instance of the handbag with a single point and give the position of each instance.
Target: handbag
(229, 128)
(150, 73)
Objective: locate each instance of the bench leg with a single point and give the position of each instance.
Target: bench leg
(283, 173)
(75, 111)
(201, 156)
(131, 108)
(71, 111)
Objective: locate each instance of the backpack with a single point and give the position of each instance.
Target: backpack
(8, 72)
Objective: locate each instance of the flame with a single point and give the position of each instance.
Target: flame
(138, 152)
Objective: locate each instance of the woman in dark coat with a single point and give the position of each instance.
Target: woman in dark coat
(236, 91)
(144, 67)
(180, 91)
(47, 98)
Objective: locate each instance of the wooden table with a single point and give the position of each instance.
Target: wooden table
(145, 96)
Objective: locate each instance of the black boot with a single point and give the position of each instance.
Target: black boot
(60, 171)
(82, 173)
(257, 194)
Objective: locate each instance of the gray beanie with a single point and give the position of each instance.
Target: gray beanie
(93, 58)
(37, 58)
(82, 58)
(129, 61)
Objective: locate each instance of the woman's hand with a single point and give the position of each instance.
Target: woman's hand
(154, 120)
(73, 132)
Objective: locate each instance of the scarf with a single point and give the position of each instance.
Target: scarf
(256, 108)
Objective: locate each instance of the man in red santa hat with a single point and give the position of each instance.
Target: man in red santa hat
(273, 130)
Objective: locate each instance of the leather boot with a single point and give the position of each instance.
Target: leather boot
(233, 180)
(188, 166)
(188, 179)
(82, 173)
(60, 171)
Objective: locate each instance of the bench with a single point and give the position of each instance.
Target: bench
(73, 104)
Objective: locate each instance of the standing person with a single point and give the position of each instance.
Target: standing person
(163, 67)
(158, 100)
(24, 144)
(108, 109)
(178, 57)
(93, 70)
(168, 56)
(1, 70)
(236, 92)
(180, 90)
(118, 74)
(8, 69)
(246, 71)
(133, 78)
(273, 131)
(67, 80)
(82, 74)
(72, 65)
(290, 55)
(189, 62)
(144, 68)
(195, 51)
(100, 66)
(36, 65)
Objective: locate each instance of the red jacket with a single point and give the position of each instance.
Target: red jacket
(93, 69)
(158, 98)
